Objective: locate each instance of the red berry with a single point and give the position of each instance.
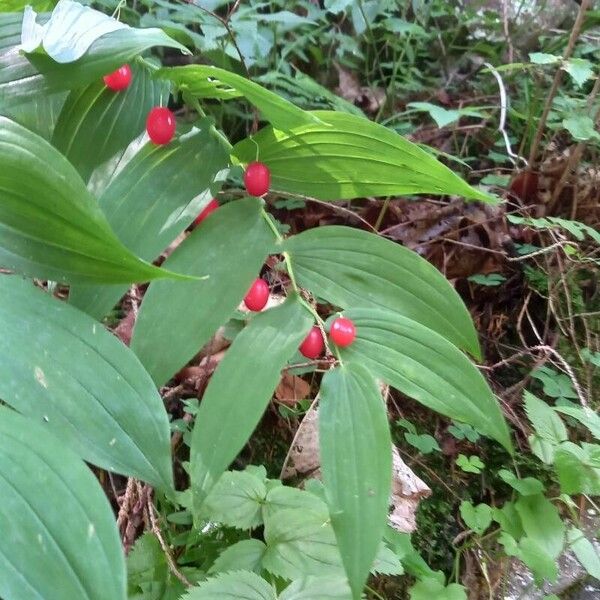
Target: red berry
(118, 80)
(342, 332)
(257, 179)
(313, 344)
(160, 125)
(257, 297)
(208, 209)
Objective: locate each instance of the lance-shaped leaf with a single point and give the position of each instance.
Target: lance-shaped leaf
(241, 388)
(64, 370)
(156, 195)
(356, 460)
(175, 321)
(197, 79)
(50, 225)
(95, 122)
(349, 268)
(59, 538)
(349, 157)
(423, 365)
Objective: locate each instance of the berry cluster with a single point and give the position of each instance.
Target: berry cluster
(160, 126)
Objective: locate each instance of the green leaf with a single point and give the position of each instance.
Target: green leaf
(301, 543)
(580, 70)
(246, 555)
(236, 585)
(542, 523)
(443, 116)
(349, 157)
(472, 464)
(18, 5)
(490, 280)
(59, 538)
(355, 450)
(181, 179)
(581, 127)
(24, 77)
(429, 589)
(545, 421)
(586, 416)
(508, 519)
(585, 551)
(426, 367)
(285, 497)
(352, 268)
(39, 115)
(236, 500)
(176, 320)
(528, 486)
(478, 518)
(61, 368)
(253, 364)
(387, 562)
(540, 58)
(96, 123)
(318, 588)
(50, 226)
(281, 113)
(577, 471)
(535, 556)
(424, 443)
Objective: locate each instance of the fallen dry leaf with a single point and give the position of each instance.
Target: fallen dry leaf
(291, 389)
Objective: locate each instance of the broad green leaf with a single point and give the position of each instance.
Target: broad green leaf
(387, 562)
(235, 585)
(580, 70)
(545, 421)
(349, 157)
(542, 523)
(301, 543)
(586, 416)
(356, 461)
(241, 388)
(433, 589)
(176, 320)
(509, 520)
(542, 564)
(317, 588)
(353, 268)
(146, 560)
(284, 497)
(153, 198)
(10, 29)
(578, 472)
(478, 518)
(25, 77)
(541, 58)
(585, 551)
(236, 500)
(39, 114)
(528, 486)
(246, 555)
(96, 123)
(59, 538)
(50, 226)
(64, 370)
(581, 127)
(443, 116)
(18, 5)
(426, 367)
(281, 113)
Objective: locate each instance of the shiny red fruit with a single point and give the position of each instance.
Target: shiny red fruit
(258, 295)
(257, 179)
(313, 344)
(160, 125)
(342, 332)
(208, 209)
(118, 80)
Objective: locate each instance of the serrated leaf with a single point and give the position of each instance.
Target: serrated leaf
(478, 518)
(425, 366)
(577, 473)
(285, 497)
(318, 588)
(355, 450)
(180, 179)
(176, 320)
(581, 127)
(237, 585)
(428, 589)
(61, 368)
(528, 486)
(50, 226)
(586, 416)
(280, 112)
(57, 525)
(246, 555)
(585, 551)
(352, 268)
(253, 363)
(542, 523)
(96, 123)
(236, 500)
(545, 421)
(349, 157)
